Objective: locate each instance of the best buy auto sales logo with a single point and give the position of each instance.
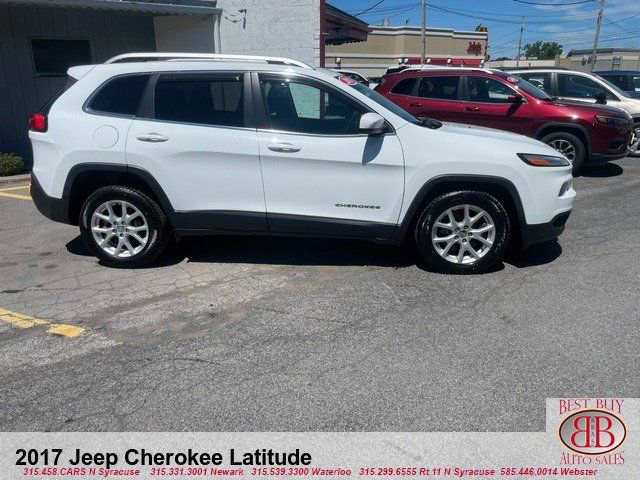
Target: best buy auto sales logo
(592, 432)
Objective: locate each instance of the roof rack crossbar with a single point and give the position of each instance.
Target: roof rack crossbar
(154, 56)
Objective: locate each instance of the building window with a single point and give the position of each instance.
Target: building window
(53, 57)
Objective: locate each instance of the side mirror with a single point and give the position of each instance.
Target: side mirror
(601, 97)
(515, 98)
(372, 123)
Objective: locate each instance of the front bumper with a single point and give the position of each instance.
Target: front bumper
(600, 158)
(51, 207)
(543, 232)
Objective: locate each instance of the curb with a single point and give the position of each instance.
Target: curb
(16, 178)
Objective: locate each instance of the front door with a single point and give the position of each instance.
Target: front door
(195, 142)
(488, 105)
(321, 175)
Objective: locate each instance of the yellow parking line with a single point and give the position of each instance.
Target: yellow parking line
(27, 321)
(14, 195)
(21, 187)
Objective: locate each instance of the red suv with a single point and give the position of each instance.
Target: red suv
(491, 98)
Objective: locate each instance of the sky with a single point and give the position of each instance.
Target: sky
(572, 26)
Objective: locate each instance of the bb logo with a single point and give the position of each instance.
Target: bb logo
(592, 432)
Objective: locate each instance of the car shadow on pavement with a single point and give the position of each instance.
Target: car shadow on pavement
(536, 255)
(312, 251)
(601, 170)
(274, 250)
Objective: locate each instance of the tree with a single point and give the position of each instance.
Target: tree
(501, 59)
(542, 50)
(482, 28)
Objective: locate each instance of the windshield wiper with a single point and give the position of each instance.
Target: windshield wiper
(430, 123)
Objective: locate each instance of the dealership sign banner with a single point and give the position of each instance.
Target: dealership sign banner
(584, 438)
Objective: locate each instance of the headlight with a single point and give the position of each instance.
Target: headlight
(611, 120)
(544, 160)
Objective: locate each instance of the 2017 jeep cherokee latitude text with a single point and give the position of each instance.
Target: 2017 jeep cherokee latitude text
(137, 151)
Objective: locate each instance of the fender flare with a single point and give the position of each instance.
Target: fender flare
(566, 125)
(141, 173)
(402, 228)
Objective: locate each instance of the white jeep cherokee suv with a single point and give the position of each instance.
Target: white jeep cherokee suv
(151, 146)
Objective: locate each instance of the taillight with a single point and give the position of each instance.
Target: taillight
(38, 122)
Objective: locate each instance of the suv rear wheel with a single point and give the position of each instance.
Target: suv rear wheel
(123, 227)
(569, 145)
(462, 232)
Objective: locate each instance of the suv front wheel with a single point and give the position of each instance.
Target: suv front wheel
(462, 232)
(123, 227)
(569, 145)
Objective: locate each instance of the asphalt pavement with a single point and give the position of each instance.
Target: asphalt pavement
(276, 334)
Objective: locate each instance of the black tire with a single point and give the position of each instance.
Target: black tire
(158, 226)
(576, 143)
(437, 207)
(636, 128)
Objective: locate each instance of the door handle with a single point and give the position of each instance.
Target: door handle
(472, 109)
(152, 137)
(415, 104)
(285, 147)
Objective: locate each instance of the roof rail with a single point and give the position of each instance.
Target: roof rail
(447, 67)
(154, 56)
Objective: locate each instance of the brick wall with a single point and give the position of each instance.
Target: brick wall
(283, 28)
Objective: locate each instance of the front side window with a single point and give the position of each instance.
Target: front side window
(120, 96)
(442, 88)
(488, 90)
(202, 100)
(635, 83)
(577, 86)
(298, 106)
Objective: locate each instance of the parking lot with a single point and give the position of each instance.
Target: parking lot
(241, 333)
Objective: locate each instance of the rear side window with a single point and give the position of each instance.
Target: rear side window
(405, 87)
(443, 88)
(121, 95)
(540, 80)
(208, 101)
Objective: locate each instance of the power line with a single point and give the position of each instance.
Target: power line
(368, 9)
(554, 4)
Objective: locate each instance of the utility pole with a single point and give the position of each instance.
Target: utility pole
(423, 41)
(594, 55)
(520, 43)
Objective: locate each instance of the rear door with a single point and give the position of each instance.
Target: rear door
(438, 96)
(488, 105)
(194, 135)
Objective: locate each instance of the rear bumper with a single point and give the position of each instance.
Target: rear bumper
(52, 208)
(543, 232)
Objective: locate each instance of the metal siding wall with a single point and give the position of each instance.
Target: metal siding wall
(21, 92)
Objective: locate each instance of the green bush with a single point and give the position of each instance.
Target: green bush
(10, 164)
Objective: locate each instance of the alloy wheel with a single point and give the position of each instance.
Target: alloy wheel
(463, 234)
(119, 229)
(634, 144)
(564, 147)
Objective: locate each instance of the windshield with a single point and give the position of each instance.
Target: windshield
(388, 104)
(617, 90)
